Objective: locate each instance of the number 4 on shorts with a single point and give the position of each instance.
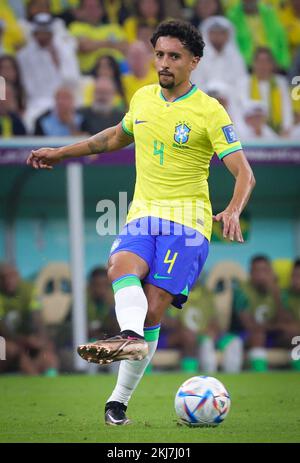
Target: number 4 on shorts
(167, 260)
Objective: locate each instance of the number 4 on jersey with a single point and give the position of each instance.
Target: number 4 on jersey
(159, 150)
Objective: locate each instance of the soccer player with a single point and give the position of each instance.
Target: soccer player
(161, 251)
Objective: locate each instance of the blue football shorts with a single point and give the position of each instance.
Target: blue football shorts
(175, 254)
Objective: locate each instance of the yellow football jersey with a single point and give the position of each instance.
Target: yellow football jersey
(174, 143)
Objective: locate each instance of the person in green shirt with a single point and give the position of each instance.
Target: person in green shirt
(258, 25)
(196, 332)
(256, 307)
(290, 320)
(28, 348)
(100, 305)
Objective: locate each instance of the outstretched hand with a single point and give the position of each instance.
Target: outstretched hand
(44, 158)
(231, 225)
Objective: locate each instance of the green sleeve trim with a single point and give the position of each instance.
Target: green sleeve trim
(123, 282)
(151, 335)
(230, 150)
(125, 129)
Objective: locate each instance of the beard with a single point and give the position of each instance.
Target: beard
(167, 85)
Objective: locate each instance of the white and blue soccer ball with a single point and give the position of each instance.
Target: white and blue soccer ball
(202, 401)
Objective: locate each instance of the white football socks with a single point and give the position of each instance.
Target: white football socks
(131, 303)
(131, 371)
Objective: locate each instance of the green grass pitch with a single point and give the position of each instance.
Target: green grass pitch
(265, 408)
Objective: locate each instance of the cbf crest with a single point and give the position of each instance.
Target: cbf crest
(182, 131)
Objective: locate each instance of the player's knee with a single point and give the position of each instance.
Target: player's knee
(122, 265)
(112, 270)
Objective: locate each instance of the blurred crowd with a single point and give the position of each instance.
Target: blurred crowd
(71, 66)
(263, 315)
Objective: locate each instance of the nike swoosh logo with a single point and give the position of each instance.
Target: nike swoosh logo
(160, 277)
(139, 122)
(113, 419)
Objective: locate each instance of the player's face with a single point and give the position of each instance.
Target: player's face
(261, 275)
(173, 62)
(99, 286)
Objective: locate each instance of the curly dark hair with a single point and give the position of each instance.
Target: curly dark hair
(188, 35)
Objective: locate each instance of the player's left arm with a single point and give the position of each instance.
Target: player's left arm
(238, 165)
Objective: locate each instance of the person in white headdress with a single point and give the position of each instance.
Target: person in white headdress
(221, 91)
(254, 126)
(222, 59)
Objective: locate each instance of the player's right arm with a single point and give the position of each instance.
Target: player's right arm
(110, 139)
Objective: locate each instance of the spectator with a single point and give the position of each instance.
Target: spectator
(100, 305)
(148, 12)
(220, 49)
(9, 69)
(204, 9)
(10, 122)
(117, 11)
(106, 66)
(67, 10)
(271, 88)
(256, 306)
(63, 120)
(295, 132)
(200, 318)
(141, 70)
(223, 93)
(175, 335)
(60, 32)
(291, 312)
(96, 38)
(257, 25)
(13, 37)
(144, 34)
(3, 49)
(196, 333)
(255, 122)
(27, 346)
(293, 77)
(46, 64)
(290, 18)
(102, 113)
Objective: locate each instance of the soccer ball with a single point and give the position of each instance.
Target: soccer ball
(202, 401)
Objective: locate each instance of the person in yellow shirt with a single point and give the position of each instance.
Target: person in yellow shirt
(95, 38)
(106, 66)
(148, 12)
(141, 70)
(57, 7)
(160, 253)
(290, 19)
(13, 37)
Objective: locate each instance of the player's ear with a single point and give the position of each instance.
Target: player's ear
(195, 62)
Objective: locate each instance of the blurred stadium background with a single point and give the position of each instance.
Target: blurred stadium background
(68, 69)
